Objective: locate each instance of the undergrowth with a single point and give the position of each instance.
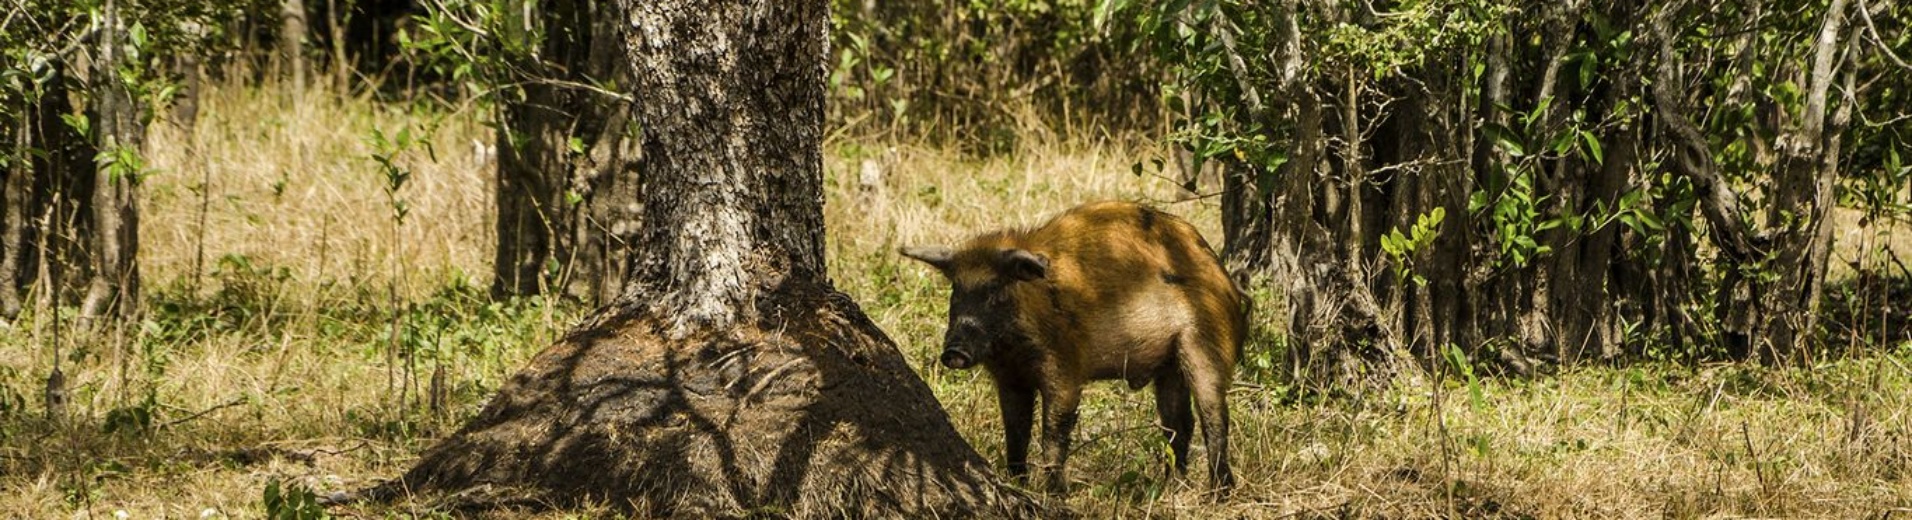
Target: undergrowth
(259, 378)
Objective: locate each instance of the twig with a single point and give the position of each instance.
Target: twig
(1894, 256)
(1865, 12)
(322, 451)
(462, 23)
(228, 404)
(1758, 472)
(766, 380)
(1091, 441)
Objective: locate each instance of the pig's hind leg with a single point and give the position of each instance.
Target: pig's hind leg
(1177, 420)
(1208, 379)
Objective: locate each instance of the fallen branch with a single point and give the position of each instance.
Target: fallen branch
(202, 413)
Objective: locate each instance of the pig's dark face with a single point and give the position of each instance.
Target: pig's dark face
(979, 316)
(982, 302)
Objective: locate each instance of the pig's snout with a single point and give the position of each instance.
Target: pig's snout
(958, 359)
(965, 343)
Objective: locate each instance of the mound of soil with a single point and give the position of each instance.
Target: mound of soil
(809, 412)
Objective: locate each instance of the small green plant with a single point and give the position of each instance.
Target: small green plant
(292, 502)
(1401, 247)
(386, 152)
(1458, 359)
(135, 419)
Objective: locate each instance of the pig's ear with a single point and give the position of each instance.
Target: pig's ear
(936, 256)
(1022, 265)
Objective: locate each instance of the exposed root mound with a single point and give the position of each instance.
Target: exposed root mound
(811, 412)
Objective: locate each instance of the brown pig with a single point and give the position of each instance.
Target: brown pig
(1109, 290)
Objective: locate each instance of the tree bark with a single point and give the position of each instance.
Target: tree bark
(1579, 249)
(292, 34)
(1370, 173)
(17, 260)
(729, 378)
(567, 217)
(1772, 314)
(44, 233)
(113, 288)
(1803, 199)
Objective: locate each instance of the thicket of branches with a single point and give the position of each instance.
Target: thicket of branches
(1530, 183)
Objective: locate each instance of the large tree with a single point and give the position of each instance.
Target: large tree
(119, 127)
(729, 378)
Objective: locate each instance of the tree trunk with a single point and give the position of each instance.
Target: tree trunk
(1356, 175)
(17, 258)
(1562, 242)
(1247, 212)
(1803, 199)
(1773, 313)
(567, 214)
(44, 234)
(1298, 229)
(113, 288)
(292, 33)
(185, 104)
(729, 378)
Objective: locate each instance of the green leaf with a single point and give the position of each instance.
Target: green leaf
(1593, 147)
(1477, 202)
(1540, 109)
(138, 34)
(1275, 160)
(1588, 67)
(1562, 144)
(1106, 9)
(576, 145)
(1650, 221)
(1505, 139)
(1630, 200)
(79, 123)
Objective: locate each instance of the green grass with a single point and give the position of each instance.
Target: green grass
(273, 368)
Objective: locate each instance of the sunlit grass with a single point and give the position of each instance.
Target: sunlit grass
(274, 366)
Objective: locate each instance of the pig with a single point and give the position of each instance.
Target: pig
(1104, 291)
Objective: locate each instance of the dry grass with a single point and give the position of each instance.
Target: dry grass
(291, 363)
(293, 185)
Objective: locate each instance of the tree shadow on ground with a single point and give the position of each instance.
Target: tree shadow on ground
(809, 412)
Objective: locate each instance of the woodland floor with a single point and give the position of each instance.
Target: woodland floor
(269, 368)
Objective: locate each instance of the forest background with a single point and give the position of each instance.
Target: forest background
(1519, 259)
